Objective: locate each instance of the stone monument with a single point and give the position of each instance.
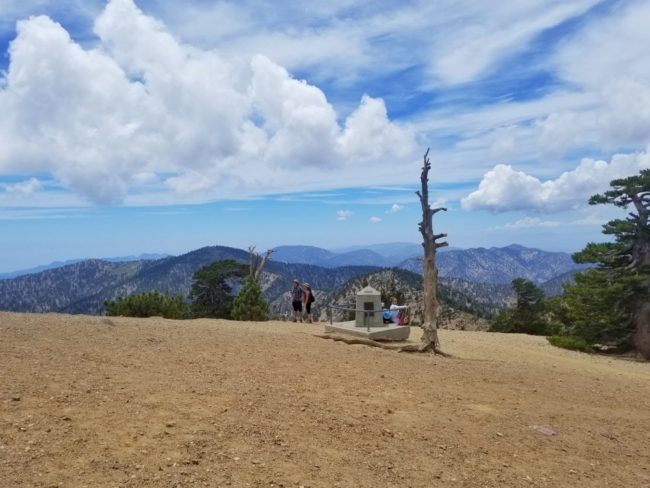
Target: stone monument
(369, 300)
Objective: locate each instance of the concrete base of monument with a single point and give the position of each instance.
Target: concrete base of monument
(384, 333)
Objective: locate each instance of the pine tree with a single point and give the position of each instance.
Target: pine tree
(612, 301)
(211, 294)
(250, 304)
(598, 308)
(527, 316)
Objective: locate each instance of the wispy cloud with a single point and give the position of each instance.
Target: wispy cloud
(42, 213)
(590, 220)
(530, 222)
(375, 220)
(343, 214)
(236, 209)
(393, 188)
(26, 187)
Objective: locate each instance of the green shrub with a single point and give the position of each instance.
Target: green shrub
(148, 304)
(572, 343)
(250, 304)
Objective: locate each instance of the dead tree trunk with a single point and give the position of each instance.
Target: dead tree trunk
(429, 340)
(256, 262)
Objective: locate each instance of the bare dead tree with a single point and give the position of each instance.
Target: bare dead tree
(429, 342)
(256, 262)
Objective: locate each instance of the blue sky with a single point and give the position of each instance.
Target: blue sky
(136, 126)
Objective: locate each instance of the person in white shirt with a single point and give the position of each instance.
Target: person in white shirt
(395, 310)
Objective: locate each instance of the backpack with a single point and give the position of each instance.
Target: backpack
(311, 297)
(403, 317)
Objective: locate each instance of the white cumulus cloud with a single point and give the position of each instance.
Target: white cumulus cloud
(395, 208)
(375, 220)
(343, 214)
(504, 189)
(145, 114)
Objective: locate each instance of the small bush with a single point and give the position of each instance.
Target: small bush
(250, 304)
(572, 343)
(148, 304)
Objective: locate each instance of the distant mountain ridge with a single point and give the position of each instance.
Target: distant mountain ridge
(59, 264)
(84, 286)
(472, 279)
(497, 265)
(328, 259)
(382, 255)
(500, 265)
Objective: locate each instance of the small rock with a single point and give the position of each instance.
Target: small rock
(543, 429)
(170, 424)
(15, 398)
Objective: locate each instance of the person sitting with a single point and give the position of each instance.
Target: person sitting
(398, 314)
(387, 317)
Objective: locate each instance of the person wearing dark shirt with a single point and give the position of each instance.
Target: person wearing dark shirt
(296, 300)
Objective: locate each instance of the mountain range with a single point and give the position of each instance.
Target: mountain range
(497, 265)
(59, 264)
(84, 286)
(500, 265)
(473, 279)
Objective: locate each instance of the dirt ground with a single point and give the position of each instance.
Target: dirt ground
(92, 402)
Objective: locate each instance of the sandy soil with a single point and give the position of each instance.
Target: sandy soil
(87, 401)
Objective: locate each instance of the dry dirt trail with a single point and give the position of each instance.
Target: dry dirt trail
(87, 401)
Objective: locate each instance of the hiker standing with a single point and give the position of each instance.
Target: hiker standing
(296, 300)
(308, 299)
